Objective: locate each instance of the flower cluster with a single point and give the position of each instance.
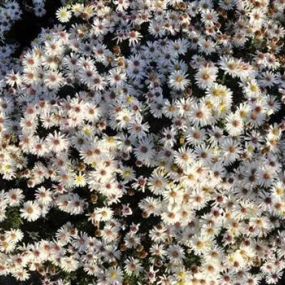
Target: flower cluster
(10, 12)
(39, 7)
(148, 136)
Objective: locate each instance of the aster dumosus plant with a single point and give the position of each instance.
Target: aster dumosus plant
(142, 143)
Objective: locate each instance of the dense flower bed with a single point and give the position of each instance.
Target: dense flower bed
(142, 143)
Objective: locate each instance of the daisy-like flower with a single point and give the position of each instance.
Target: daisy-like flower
(180, 46)
(21, 274)
(184, 157)
(116, 77)
(158, 250)
(176, 253)
(230, 66)
(63, 14)
(53, 79)
(150, 206)
(31, 60)
(144, 151)
(43, 196)
(98, 82)
(178, 80)
(30, 211)
(268, 79)
(251, 88)
(266, 176)
(105, 214)
(140, 183)
(195, 135)
(57, 142)
(234, 124)
(15, 197)
(134, 37)
(14, 79)
(122, 4)
(220, 92)
(39, 147)
(199, 115)
(113, 275)
(168, 137)
(157, 183)
(235, 67)
(133, 266)
(207, 46)
(138, 130)
(77, 9)
(53, 48)
(69, 264)
(200, 244)
(215, 135)
(171, 216)
(209, 16)
(14, 235)
(231, 150)
(80, 180)
(102, 173)
(206, 76)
